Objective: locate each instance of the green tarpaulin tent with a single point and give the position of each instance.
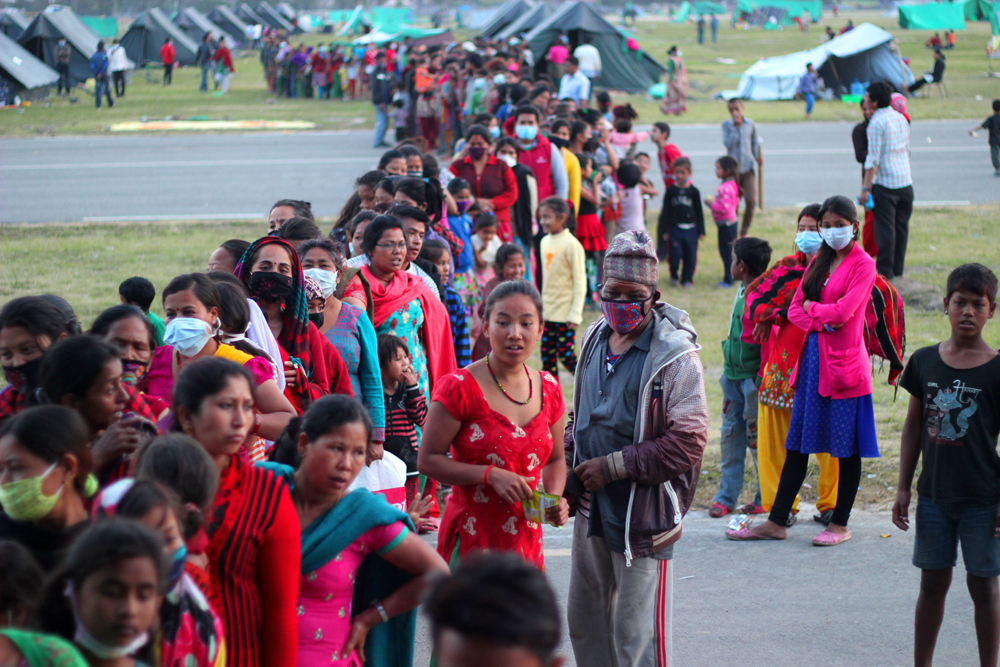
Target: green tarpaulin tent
(707, 9)
(793, 8)
(390, 19)
(932, 16)
(105, 27)
(978, 10)
(682, 12)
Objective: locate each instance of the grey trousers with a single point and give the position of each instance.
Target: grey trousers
(618, 616)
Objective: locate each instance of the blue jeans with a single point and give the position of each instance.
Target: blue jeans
(381, 124)
(101, 86)
(810, 100)
(205, 68)
(940, 529)
(739, 430)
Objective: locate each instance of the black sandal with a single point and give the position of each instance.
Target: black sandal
(823, 517)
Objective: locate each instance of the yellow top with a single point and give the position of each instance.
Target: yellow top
(573, 175)
(564, 278)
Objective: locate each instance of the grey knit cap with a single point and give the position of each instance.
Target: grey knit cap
(632, 257)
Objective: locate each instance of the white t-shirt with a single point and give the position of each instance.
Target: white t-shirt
(590, 59)
(632, 219)
(490, 252)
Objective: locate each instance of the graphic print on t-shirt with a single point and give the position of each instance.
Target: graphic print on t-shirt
(947, 413)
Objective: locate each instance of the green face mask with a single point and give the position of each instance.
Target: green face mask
(24, 500)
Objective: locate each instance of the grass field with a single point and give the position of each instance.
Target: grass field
(85, 264)
(966, 78)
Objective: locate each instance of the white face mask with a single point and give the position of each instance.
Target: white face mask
(99, 649)
(509, 159)
(837, 238)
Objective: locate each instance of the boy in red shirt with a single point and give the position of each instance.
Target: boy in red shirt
(666, 154)
(167, 58)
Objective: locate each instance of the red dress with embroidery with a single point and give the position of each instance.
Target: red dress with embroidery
(476, 518)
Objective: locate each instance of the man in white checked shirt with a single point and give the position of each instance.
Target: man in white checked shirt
(888, 179)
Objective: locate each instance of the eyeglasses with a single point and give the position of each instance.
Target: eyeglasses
(391, 246)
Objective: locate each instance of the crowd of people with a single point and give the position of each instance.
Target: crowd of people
(193, 491)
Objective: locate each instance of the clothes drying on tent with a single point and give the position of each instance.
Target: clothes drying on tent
(932, 16)
(143, 39)
(13, 22)
(227, 19)
(24, 75)
(621, 67)
(274, 19)
(525, 23)
(863, 54)
(506, 14)
(195, 25)
(41, 38)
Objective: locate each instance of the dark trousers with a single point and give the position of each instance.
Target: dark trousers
(727, 236)
(794, 473)
(168, 74)
(101, 86)
(892, 228)
(683, 248)
(557, 343)
(748, 191)
(63, 70)
(995, 155)
(119, 79)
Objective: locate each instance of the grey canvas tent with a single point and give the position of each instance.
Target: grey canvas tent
(13, 23)
(42, 37)
(622, 68)
(286, 10)
(143, 39)
(227, 19)
(274, 19)
(195, 25)
(249, 16)
(24, 74)
(506, 14)
(525, 22)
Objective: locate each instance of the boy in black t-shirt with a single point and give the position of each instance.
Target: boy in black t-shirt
(954, 420)
(992, 125)
(682, 223)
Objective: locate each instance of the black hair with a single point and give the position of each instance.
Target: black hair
(509, 288)
(456, 185)
(234, 312)
(516, 92)
(138, 291)
(388, 157)
(603, 101)
(72, 366)
(298, 229)
(110, 316)
(201, 379)
(480, 131)
(199, 284)
(754, 253)
(730, 167)
(528, 109)
(577, 127)
(50, 432)
(427, 194)
(484, 220)
(681, 162)
(388, 344)
(21, 581)
(583, 159)
(504, 253)
(811, 211)
(145, 496)
(235, 248)
(482, 119)
(572, 61)
(375, 229)
(331, 412)
(362, 216)
(431, 167)
(432, 250)
(353, 204)
(35, 315)
(558, 124)
(409, 150)
(412, 212)
(880, 93)
(72, 327)
(388, 184)
(996, 105)
(506, 141)
(562, 111)
(501, 599)
(539, 90)
(663, 128)
(815, 276)
(180, 463)
(974, 278)
(300, 209)
(629, 174)
(561, 207)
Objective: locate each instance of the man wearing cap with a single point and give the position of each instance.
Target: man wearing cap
(635, 447)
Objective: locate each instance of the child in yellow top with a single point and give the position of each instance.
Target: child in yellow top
(564, 284)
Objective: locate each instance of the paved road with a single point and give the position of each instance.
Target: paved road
(239, 175)
(767, 604)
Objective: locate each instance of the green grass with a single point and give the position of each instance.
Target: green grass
(93, 259)
(248, 98)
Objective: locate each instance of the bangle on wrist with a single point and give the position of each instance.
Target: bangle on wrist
(256, 423)
(486, 475)
(377, 606)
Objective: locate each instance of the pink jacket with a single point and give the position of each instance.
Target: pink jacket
(726, 200)
(844, 368)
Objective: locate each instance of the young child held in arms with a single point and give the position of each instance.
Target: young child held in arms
(740, 382)
(723, 206)
(623, 138)
(682, 223)
(564, 284)
(953, 421)
(485, 244)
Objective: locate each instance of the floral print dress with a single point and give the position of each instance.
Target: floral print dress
(406, 323)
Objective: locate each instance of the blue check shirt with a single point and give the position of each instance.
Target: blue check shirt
(889, 149)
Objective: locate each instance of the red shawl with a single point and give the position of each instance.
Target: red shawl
(436, 330)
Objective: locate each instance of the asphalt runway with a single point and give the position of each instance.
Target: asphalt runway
(238, 176)
(788, 604)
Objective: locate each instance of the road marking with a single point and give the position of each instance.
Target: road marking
(191, 163)
(179, 216)
(555, 553)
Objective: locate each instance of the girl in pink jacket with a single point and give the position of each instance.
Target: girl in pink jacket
(832, 412)
(723, 206)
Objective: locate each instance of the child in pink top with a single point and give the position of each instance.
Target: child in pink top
(623, 138)
(723, 206)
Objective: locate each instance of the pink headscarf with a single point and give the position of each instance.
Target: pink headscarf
(898, 102)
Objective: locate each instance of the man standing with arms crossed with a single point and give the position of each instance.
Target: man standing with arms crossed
(739, 134)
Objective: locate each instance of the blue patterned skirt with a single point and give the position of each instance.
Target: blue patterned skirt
(840, 427)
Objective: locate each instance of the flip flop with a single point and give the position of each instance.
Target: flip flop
(828, 539)
(752, 508)
(747, 535)
(718, 510)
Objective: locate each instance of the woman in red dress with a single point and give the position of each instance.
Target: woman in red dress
(503, 423)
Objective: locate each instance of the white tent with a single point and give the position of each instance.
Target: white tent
(863, 54)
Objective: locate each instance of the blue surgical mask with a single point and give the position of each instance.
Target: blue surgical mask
(187, 335)
(837, 238)
(499, 78)
(526, 132)
(808, 242)
(178, 558)
(495, 131)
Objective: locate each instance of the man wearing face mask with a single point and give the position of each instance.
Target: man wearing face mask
(63, 53)
(539, 154)
(634, 448)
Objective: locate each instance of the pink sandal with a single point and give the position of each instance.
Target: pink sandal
(828, 539)
(747, 535)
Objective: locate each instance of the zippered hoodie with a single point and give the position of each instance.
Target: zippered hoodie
(670, 433)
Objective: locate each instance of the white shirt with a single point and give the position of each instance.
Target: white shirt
(117, 60)
(590, 59)
(260, 334)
